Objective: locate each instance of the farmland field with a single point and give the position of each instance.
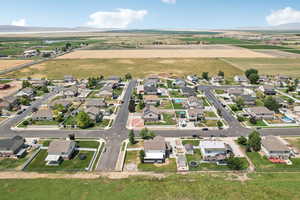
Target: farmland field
(6, 64)
(217, 40)
(283, 186)
(162, 53)
(82, 68)
(290, 67)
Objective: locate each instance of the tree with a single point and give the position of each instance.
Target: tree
(128, 76)
(68, 45)
(252, 120)
(205, 75)
(290, 101)
(83, 120)
(26, 84)
(271, 104)
(151, 134)
(72, 136)
(45, 89)
(59, 118)
(144, 133)
(219, 112)
(219, 124)
(221, 73)
(142, 155)
(141, 105)
(235, 163)
(240, 103)
(24, 101)
(131, 137)
(248, 72)
(253, 78)
(242, 140)
(254, 141)
(131, 106)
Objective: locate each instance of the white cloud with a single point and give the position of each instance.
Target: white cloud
(120, 18)
(19, 22)
(283, 16)
(169, 1)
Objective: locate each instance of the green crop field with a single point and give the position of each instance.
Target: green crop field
(82, 68)
(217, 186)
(269, 66)
(217, 40)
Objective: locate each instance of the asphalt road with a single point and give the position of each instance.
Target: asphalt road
(118, 132)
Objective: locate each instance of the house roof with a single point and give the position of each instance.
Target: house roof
(60, 146)
(272, 143)
(11, 144)
(149, 109)
(151, 98)
(194, 111)
(43, 113)
(158, 143)
(210, 144)
(93, 110)
(189, 147)
(260, 110)
(95, 102)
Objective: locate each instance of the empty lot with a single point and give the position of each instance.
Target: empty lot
(287, 66)
(166, 53)
(83, 68)
(6, 64)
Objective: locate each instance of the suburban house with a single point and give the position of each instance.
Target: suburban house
(9, 103)
(192, 78)
(70, 92)
(194, 102)
(11, 147)
(189, 149)
(98, 103)
(282, 78)
(260, 113)
(263, 79)
(235, 91)
(140, 89)
(115, 79)
(38, 83)
(106, 91)
(195, 114)
(241, 79)
(28, 92)
(64, 102)
(273, 147)
(187, 91)
(214, 150)
(150, 90)
(30, 53)
(156, 150)
(59, 150)
(296, 110)
(151, 113)
(94, 113)
(69, 79)
(248, 100)
(44, 114)
(268, 89)
(151, 99)
(217, 79)
(179, 83)
(153, 77)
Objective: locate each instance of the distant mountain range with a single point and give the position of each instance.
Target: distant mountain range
(20, 29)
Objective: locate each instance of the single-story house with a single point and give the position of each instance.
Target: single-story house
(282, 78)
(156, 150)
(195, 114)
(70, 92)
(9, 103)
(189, 149)
(151, 113)
(59, 150)
(12, 146)
(140, 89)
(44, 114)
(194, 102)
(28, 92)
(64, 102)
(150, 90)
(275, 148)
(151, 99)
(69, 79)
(263, 79)
(188, 92)
(260, 112)
(178, 83)
(217, 79)
(249, 100)
(214, 150)
(38, 83)
(192, 78)
(94, 113)
(241, 79)
(235, 91)
(98, 103)
(268, 89)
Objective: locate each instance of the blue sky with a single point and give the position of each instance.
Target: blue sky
(141, 14)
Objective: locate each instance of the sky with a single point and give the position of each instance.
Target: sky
(147, 14)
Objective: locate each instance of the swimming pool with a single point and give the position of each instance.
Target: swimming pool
(287, 119)
(178, 100)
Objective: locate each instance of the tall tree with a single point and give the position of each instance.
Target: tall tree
(205, 75)
(131, 137)
(131, 106)
(83, 120)
(254, 141)
(272, 104)
(248, 72)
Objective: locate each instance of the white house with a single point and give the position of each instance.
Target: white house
(59, 150)
(155, 150)
(214, 150)
(274, 148)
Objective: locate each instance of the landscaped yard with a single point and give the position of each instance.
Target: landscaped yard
(193, 142)
(87, 144)
(209, 123)
(210, 114)
(169, 166)
(167, 119)
(263, 164)
(178, 106)
(218, 91)
(75, 164)
(13, 164)
(175, 94)
(259, 123)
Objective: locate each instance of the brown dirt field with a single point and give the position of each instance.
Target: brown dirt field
(15, 86)
(6, 64)
(170, 53)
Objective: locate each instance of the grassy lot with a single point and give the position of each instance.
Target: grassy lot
(263, 164)
(166, 104)
(75, 164)
(217, 40)
(11, 163)
(206, 186)
(178, 106)
(263, 47)
(88, 144)
(169, 166)
(83, 68)
(131, 157)
(210, 123)
(260, 123)
(269, 66)
(220, 91)
(176, 94)
(193, 142)
(210, 114)
(45, 123)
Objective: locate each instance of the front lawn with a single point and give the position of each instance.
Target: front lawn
(169, 166)
(259, 123)
(45, 123)
(218, 91)
(263, 164)
(210, 114)
(175, 94)
(13, 164)
(75, 164)
(178, 106)
(87, 144)
(193, 142)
